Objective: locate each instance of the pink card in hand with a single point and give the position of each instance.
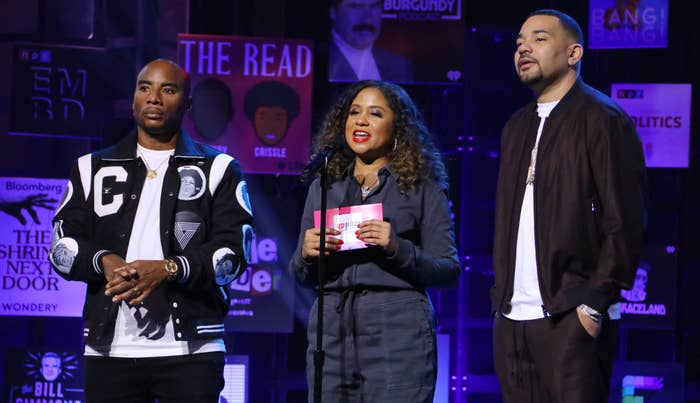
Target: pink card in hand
(346, 219)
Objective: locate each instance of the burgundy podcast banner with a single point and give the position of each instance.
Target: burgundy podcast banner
(405, 42)
(29, 286)
(251, 98)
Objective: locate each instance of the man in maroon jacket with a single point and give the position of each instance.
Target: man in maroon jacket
(569, 224)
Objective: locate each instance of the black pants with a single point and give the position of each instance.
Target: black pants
(187, 378)
(553, 360)
(379, 346)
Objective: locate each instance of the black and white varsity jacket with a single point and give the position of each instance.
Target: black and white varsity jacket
(207, 233)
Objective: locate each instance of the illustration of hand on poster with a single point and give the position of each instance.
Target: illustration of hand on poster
(29, 286)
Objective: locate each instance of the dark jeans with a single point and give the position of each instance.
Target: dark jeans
(379, 347)
(187, 378)
(553, 360)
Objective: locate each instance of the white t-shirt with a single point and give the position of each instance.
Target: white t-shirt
(361, 60)
(146, 330)
(526, 303)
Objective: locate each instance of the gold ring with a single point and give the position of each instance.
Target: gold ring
(136, 290)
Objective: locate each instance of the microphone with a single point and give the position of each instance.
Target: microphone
(317, 161)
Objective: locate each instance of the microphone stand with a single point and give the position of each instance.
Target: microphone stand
(319, 354)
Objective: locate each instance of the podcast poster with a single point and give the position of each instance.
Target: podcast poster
(395, 41)
(651, 303)
(262, 298)
(661, 114)
(251, 98)
(43, 376)
(57, 91)
(29, 286)
(619, 24)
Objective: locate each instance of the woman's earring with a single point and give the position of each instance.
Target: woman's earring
(395, 144)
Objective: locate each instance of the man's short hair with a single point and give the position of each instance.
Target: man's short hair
(570, 25)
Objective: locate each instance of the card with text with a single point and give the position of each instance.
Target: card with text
(346, 219)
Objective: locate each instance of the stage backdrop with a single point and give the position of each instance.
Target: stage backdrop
(251, 98)
(29, 286)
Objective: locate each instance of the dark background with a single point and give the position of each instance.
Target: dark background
(466, 120)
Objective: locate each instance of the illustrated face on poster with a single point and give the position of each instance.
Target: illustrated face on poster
(639, 289)
(251, 99)
(651, 303)
(270, 107)
(50, 366)
(43, 376)
(212, 108)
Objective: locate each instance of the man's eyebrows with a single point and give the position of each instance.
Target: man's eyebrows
(164, 84)
(535, 32)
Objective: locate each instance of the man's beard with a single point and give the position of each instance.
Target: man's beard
(531, 81)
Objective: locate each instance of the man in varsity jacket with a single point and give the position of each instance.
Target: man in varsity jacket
(157, 226)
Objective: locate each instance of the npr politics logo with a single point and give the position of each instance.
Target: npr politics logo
(634, 300)
(630, 93)
(48, 376)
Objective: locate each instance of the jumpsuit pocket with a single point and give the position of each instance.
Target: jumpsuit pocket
(408, 338)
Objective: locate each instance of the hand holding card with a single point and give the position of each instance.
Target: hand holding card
(346, 219)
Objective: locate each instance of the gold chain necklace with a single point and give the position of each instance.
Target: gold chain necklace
(152, 172)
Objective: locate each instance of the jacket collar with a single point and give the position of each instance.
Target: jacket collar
(568, 97)
(125, 149)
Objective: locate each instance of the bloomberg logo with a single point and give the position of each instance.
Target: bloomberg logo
(630, 94)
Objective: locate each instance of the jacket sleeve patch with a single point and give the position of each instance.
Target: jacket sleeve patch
(217, 171)
(248, 235)
(187, 223)
(242, 197)
(63, 253)
(192, 182)
(66, 197)
(226, 266)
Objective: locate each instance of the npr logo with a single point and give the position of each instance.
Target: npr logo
(630, 94)
(27, 55)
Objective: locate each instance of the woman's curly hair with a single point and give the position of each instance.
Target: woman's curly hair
(415, 158)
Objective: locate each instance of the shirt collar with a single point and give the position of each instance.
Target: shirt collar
(125, 149)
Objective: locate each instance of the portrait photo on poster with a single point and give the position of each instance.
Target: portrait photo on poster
(394, 41)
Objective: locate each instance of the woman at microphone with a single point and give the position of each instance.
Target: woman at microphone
(379, 324)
